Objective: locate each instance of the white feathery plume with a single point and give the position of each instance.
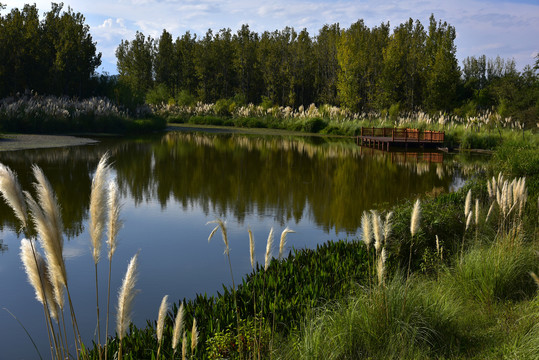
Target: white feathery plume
(178, 327)
(114, 223)
(476, 212)
(126, 295)
(268, 250)
(282, 243)
(161, 318)
(380, 266)
(416, 218)
(184, 347)
(366, 227)
(53, 248)
(12, 193)
(437, 245)
(98, 206)
(387, 226)
(377, 230)
(251, 248)
(469, 220)
(194, 336)
(468, 203)
(36, 271)
(489, 189)
(222, 225)
(48, 202)
(490, 210)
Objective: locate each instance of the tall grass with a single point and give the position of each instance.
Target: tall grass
(373, 323)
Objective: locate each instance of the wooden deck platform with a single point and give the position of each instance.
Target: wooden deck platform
(385, 137)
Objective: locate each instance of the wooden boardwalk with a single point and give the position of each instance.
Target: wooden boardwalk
(384, 137)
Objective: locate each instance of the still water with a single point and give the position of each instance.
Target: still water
(172, 184)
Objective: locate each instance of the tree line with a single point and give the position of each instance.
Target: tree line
(410, 67)
(54, 55)
(361, 68)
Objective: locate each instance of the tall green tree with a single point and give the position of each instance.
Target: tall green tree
(303, 69)
(246, 64)
(135, 64)
(360, 56)
(164, 62)
(403, 73)
(443, 73)
(75, 59)
(183, 71)
(327, 66)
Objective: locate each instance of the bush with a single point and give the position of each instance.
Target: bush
(314, 125)
(185, 98)
(158, 95)
(475, 140)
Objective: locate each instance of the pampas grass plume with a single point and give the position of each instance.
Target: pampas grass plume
(222, 225)
(98, 202)
(416, 218)
(114, 223)
(282, 243)
(380, 267)
(387, 226)
(366, 227)
(184, 347)
(377, 230)
(269, 244)
(252, 248)
(468, 203)
(469, 220)
(490, 211)
(34, 265)
(12, 193)
(49, 204)
(178, 327)
(126, 296)
(194, 336)
(161, 318)
(53, 247)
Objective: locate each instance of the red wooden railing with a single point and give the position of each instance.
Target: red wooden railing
(404, 134)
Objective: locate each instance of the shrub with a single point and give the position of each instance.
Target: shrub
(314, 125)
(158, 95)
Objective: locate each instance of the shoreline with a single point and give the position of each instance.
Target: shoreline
(15, 142)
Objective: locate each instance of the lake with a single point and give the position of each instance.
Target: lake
(172, 184)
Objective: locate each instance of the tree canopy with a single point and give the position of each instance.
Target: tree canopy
(53, 55)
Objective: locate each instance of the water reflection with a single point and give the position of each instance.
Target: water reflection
(330, 182)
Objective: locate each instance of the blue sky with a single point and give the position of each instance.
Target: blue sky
(507, 28)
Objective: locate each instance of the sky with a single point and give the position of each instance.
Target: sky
(505, 28)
